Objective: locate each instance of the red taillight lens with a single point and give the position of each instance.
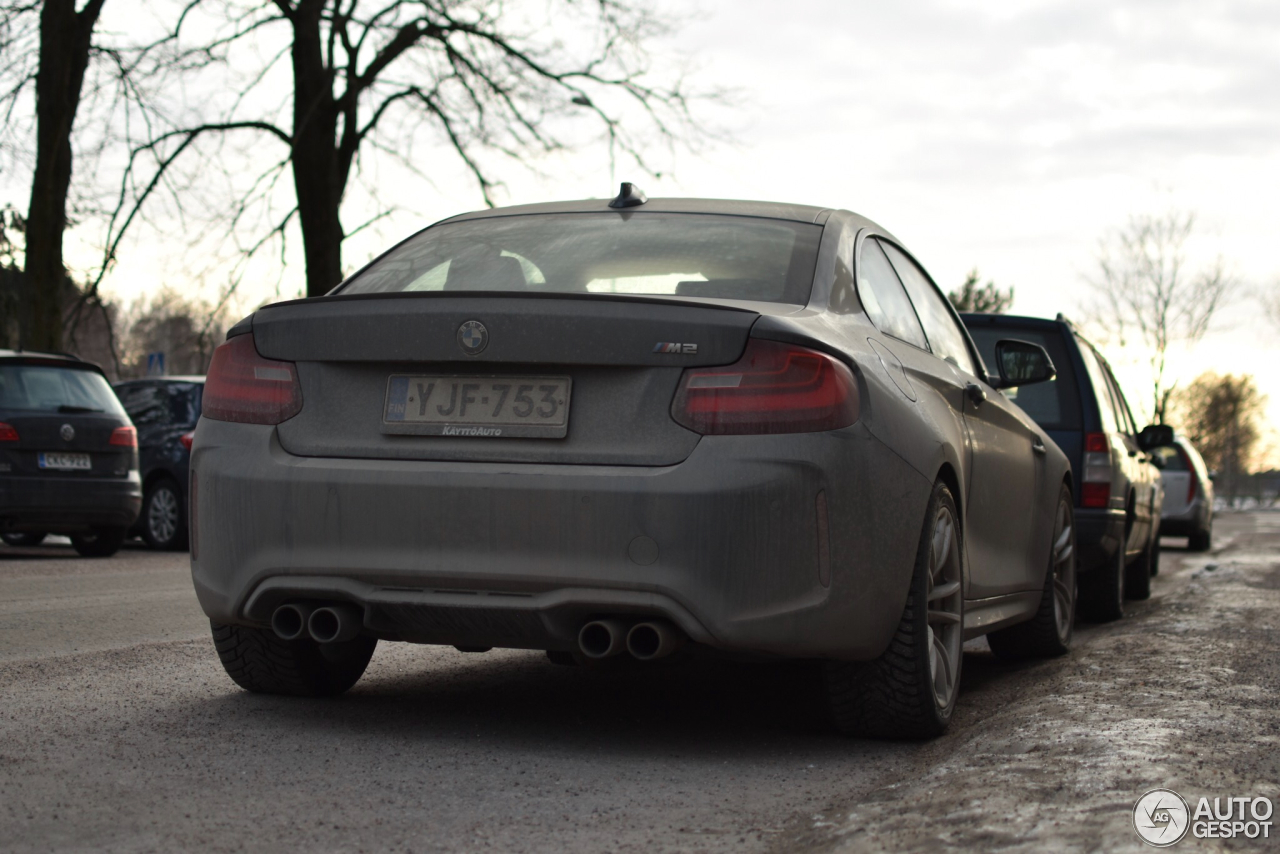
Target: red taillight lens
(1096, 443)
(244, 387)
(187, 438)
(1095, 494)
(7, 433)
(124, 437)
(773, 388)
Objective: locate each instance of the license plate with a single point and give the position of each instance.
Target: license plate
(485, 407)
(65, 461)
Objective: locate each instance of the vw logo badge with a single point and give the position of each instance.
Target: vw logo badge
(67, 432)
(473, 337)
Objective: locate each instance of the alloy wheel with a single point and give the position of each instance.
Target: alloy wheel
(1064, 570)
(945, 632)
(162, 515)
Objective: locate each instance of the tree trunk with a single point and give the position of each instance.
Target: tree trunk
(318, 180)
(65, 37)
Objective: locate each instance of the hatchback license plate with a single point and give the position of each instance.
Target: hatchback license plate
(489, 407)
(78, 462)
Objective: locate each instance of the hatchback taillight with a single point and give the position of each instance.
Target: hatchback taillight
(7, 433)
(773, 388)
(124, 437)
(187, 439)
(244, 387)
(1096, 483)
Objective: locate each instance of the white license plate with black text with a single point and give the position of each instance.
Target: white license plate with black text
(477, 406)
(65, 462)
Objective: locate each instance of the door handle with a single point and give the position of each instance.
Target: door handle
(975, 393)
(1038, 446)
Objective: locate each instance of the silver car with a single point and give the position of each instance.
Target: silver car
(615, 428)
(1188, 495)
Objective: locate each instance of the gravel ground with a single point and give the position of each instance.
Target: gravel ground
(119, 732)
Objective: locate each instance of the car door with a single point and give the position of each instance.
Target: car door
(1006, 454)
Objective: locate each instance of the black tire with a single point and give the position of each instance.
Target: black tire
(164, 516)
(23, 540)
(259, 661)
(101, 542)
(1048, 633)
(898, 694)
(1137, 575)
(1200, 541)
(1101, 597)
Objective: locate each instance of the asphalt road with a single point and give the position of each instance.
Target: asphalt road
(120, 732)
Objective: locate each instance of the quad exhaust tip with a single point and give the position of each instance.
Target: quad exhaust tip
(650, 641)
(289, 622)
(603, 638)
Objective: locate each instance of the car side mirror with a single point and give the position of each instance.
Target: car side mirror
(1022, 363)
(1155, 436)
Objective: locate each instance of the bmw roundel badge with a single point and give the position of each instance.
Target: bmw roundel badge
(473, 337)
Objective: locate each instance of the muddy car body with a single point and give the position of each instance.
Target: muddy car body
(683, 497)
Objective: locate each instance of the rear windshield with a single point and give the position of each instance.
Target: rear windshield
(1055, 405)
(48, 388)
(724, 257)
(1171, 459)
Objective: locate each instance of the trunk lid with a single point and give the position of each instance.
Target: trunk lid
(623, 357)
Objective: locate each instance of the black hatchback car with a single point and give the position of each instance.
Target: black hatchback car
(68, 454)
(165, 411)
(1118, 489)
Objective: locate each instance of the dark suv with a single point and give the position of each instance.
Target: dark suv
(1118, 490)
(68, 454)
(165, 411)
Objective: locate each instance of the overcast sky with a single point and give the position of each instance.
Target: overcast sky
(1009, 136)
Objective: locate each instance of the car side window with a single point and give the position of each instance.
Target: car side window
(147, 405)
(1122, 405)
(184, 403)
(945, 338)
(884, 299)
(1101, 390)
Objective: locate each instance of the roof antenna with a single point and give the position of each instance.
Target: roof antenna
(629, 196)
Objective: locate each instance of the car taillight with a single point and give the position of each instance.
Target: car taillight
(244, 387)
(773, 388)
(1096, 483)
(187, 438)
(124, 437)
(7, 433)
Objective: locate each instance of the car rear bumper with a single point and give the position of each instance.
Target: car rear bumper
(1185, 523)
(1098, 534)
(724, 544)
(68, 505)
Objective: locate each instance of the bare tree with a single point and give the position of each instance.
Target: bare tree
(62, 47)
(1147, 293)
(488, 78)
(185, 329)
(983, 298)
(1222, 415)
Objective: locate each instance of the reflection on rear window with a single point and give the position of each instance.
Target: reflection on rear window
(724, 257)
(1054, 405)
(1171, 459)
(44, 388)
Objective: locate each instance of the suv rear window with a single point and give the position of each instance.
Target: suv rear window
(1055, 405)
(700, 255)
(54, 388)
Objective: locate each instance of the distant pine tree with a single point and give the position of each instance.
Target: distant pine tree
(982, 298)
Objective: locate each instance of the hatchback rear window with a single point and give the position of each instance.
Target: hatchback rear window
(49, 388)
(1055, 405)
(1171, 459)
(722, 257)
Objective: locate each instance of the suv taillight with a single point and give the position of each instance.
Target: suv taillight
(8, 433)
(773, 388)
(124, 437)
(1096, 483)
(244, 387)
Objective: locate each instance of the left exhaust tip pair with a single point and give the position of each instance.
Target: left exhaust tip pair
(321, 623)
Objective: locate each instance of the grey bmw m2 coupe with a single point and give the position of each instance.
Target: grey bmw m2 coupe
(614, 428)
